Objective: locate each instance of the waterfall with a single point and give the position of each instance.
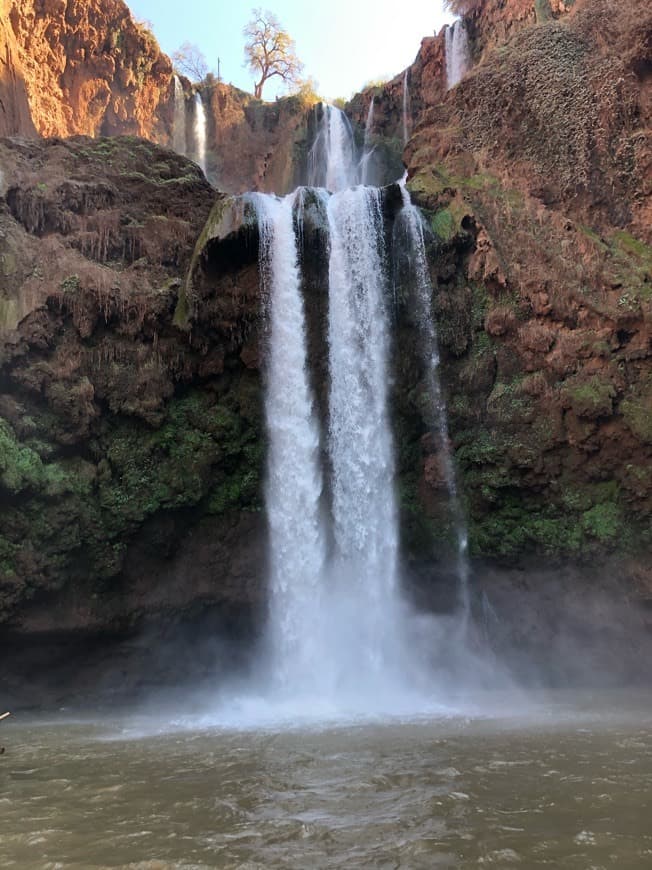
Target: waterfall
(368, 148)
(200, 131)
(340, 636)
(360, 443)
(179, 121)
(337, 623)
(413, 226)
(405, 107)
(294, 482)
(333, 162)
(458, 53)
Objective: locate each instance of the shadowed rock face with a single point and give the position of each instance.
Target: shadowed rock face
(123, 439)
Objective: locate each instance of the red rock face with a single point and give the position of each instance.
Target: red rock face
(69, 67)
(15, 115)
(90, 69)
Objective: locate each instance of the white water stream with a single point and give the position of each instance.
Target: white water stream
(333, 162)
(200, 131)
(412, 223)
(458, 53)
(368, 148)
(294, 485)
(179, 118)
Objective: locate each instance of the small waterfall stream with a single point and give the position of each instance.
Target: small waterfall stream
(412, 224)
(179, 119)
(405, 107)
(458, 53)
(200, 131)
(333, 160)
(368, 148)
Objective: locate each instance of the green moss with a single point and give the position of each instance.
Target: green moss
(636, 408)
(604, 523)
(631, 245)
(590, 398)
(176, 466)
(71, 284)
(443, 224)
(8, 552)
(515, 528)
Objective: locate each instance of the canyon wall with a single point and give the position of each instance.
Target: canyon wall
(89, 68)
(15, 113)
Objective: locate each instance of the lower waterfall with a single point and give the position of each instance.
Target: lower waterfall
(297, 547)
(342, 638)
(337, 623)
(360, 444)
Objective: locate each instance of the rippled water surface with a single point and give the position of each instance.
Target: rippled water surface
(568, 785)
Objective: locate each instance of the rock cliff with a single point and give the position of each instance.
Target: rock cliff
(547, 322)
(88, 68)
(15, 114)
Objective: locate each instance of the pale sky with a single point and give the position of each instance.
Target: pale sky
(343, 43)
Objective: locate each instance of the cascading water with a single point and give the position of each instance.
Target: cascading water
(458, 53)
(179, 120)
(336, 626)
(368, 148)
(333, 160)
(411, 223)
(200, 131)
(364, 513)
(341, 638)
(405, 107)
(294, 485)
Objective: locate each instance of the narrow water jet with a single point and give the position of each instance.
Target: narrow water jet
(200, 131)
(179, 118)
(458, 53)
(368, 148)
(412, 224)
(294, 480)
(405, 107)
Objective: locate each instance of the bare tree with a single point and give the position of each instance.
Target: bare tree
(463, 7)
(190, 61)
(270, 51)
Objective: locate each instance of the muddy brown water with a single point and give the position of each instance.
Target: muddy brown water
(565, 784)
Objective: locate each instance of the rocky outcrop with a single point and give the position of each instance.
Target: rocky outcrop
(90, 69)
(15, 115)
(546, 316)
(254, 145)
(129, 450)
